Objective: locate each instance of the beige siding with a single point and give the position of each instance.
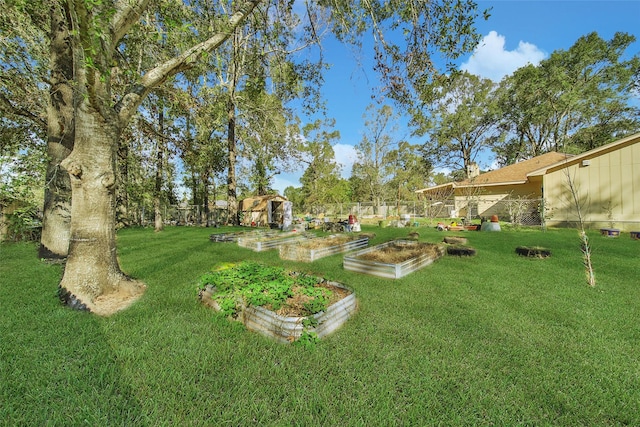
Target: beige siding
(491, 200)
(609, 190)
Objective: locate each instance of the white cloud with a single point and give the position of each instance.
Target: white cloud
(282, 181)
(345, 156)
(492, 61)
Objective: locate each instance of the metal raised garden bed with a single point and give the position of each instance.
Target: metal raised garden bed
(264, 243)
(354, 262)
(233, 236)
(313, 249)
(288, 329)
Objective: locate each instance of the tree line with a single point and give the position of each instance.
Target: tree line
(104, 87)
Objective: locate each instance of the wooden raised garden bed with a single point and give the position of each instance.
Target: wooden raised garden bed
(313, 249)
(635, 235)
(278, 303)
(271, 241)
(394, 259)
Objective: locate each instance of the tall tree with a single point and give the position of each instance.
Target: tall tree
(573, 101)
(459, 119)
(259, 74)
(92, 277)
(26, 66)
(407, 172)
(322, 172)
(378, 140)
(269, 133)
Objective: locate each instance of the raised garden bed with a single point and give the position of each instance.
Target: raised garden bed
(227, 237)
(394, 259)
(278, 303)
(463, 228)
(233, 236)
(271, 241)
(313, 249)
(635, 235)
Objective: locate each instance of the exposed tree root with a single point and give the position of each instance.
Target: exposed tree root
(125, 294)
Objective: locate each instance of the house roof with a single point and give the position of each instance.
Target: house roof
(516, 173)
(596, 152)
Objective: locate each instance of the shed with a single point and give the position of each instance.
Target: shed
(268, 210)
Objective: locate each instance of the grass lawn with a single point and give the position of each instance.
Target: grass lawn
(495, 339)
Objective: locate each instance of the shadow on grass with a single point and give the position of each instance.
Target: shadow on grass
(56, 364)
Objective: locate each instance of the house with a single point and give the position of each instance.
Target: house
(269, 210)
(506, 192)
(606, 182)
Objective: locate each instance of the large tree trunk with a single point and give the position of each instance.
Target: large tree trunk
(54, 242)
(92, 278)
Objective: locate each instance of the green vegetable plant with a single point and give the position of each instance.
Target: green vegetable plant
(255, 284)
(307, 340)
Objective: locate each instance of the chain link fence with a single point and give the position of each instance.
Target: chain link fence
(518, 211)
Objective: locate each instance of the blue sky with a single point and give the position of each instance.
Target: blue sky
(518, 32)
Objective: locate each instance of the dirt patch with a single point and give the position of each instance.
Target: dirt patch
(294, 306)
(123, 296)
(326, 242)
(396, 253)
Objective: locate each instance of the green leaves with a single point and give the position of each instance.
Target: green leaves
(573, 101)
(254, 284)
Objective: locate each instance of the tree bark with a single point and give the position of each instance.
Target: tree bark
(232, 201)
(157, 194)
(204, 213)
(54, 242)
(123, 218)
(92, 278)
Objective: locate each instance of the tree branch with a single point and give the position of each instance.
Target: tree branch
(127, 14)
(22, 112)
(156, 76)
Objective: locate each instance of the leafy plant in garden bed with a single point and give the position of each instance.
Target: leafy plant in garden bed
(254, 284)
(262, 296)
